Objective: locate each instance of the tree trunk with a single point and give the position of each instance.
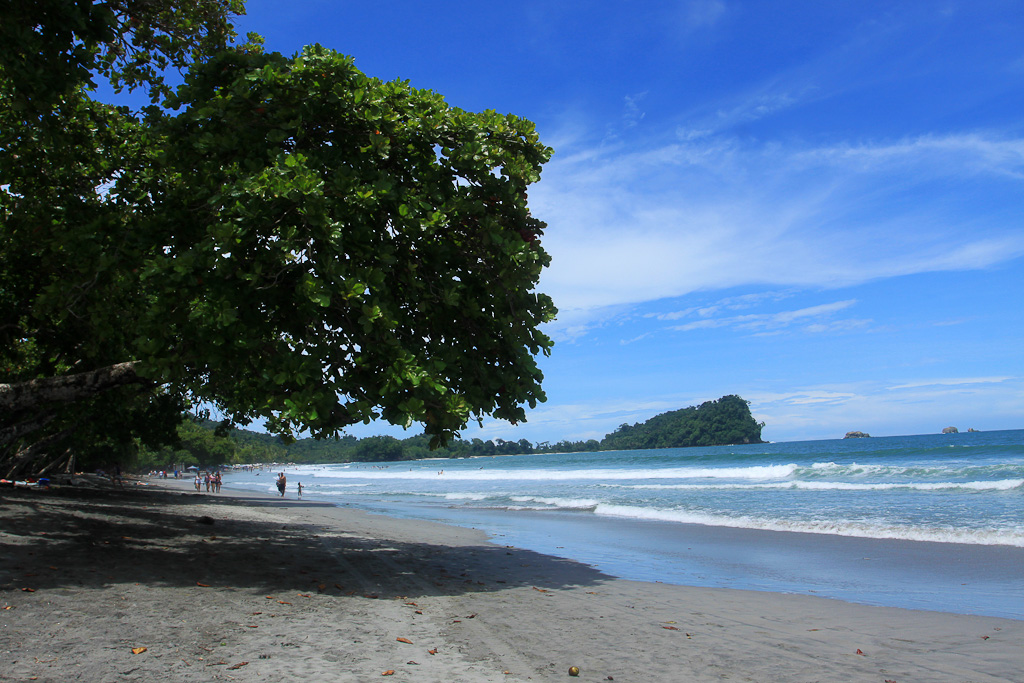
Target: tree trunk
(12, 433)
(24, 457)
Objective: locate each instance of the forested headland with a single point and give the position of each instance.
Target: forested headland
(725, 421)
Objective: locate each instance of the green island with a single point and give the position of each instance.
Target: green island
(725, 421)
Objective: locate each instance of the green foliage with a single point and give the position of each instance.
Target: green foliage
(290, 241)
(68, 295)
(346, 249)
(51, 48)
(713, 423)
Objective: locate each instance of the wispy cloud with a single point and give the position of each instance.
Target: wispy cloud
(702, 14)
(822, 411)
(766, 321)
(950, 382)
(924, 406)
(628, 226)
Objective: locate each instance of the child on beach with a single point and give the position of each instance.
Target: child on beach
(300, 490)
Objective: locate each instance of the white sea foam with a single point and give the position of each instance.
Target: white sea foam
(917, 471)
(760, 472)
(465, 496)
(563, 503)
(988, 536)
(1001, 485)
(328, 487)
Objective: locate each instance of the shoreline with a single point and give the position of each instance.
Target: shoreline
(984, 580)
(284, 589)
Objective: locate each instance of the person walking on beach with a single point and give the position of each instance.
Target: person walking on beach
(198, 482)
(300, 490)
(281, 483)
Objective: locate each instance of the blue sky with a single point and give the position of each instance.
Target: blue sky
(818, 206)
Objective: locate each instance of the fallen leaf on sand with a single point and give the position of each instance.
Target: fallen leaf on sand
(542, 590)
(861, 653)
(471, 616)
(303, 595)
(138, 650)
(670, 628)
(457, 621)
(507, 673)
(413, 663)
(339, 586)
(283, 602)
(29, 590)
(8, 606)
(255, 613)
(403, 640)
(985, 637)
(412, 603)
(432, 652)
(389, 672)
(251, 626)
(238, 666)
(202, 585)
(419, 611)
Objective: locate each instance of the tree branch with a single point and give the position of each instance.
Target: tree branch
(67, 388)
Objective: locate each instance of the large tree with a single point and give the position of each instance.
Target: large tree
(286, 239)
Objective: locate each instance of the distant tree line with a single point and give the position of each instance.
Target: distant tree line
(713, 423)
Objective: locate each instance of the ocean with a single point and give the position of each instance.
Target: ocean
(929, 522)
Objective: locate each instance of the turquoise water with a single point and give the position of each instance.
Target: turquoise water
(640, 514)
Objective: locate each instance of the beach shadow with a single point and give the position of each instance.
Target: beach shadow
(84, 538)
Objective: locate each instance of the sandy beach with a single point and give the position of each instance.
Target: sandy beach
(159, 583)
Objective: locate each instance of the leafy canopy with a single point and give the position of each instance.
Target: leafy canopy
(331, 247)
(287, 239)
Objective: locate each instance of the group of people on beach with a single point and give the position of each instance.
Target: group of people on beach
(212, 482)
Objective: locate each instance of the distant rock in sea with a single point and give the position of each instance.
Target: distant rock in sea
(856, 435)
(972, 429)
(950, 430)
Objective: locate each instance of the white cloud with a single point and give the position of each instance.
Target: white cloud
(823, 411)
(767, 321)
(959, 154)
(628, 226)
(950, 382)
(702, 14)
(923, 406)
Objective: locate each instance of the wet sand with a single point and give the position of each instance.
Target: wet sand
(248, 587)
